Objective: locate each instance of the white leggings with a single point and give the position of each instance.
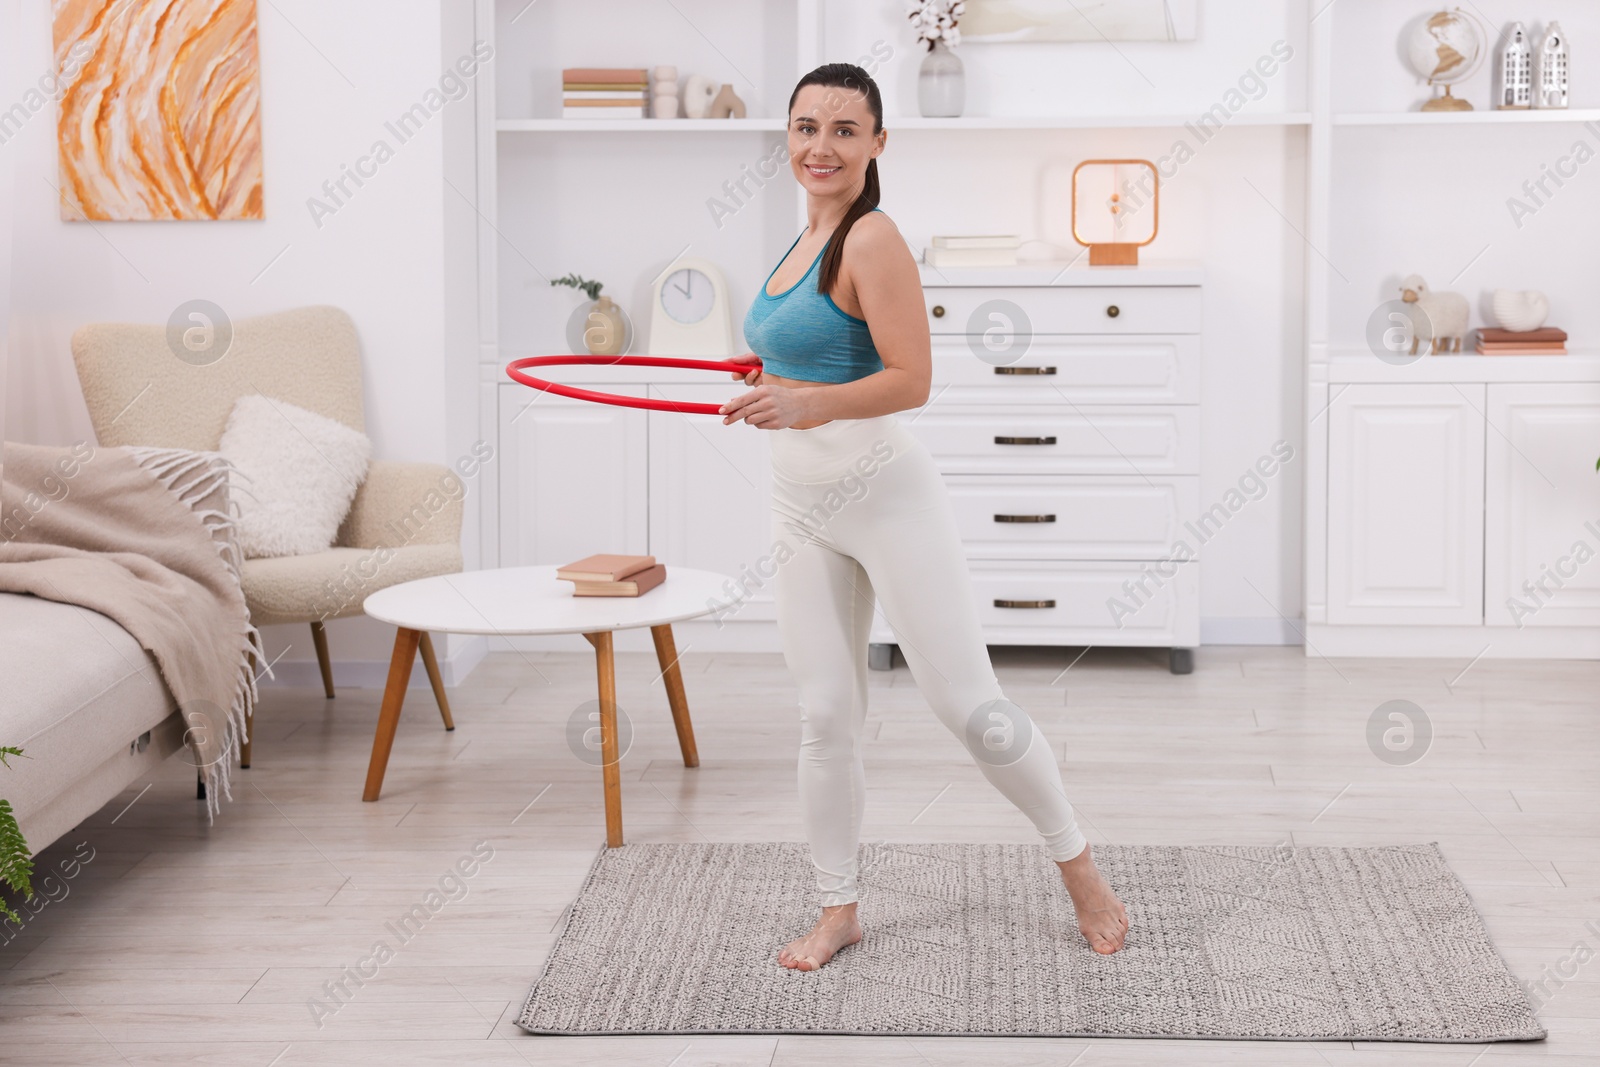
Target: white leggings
(859, 508)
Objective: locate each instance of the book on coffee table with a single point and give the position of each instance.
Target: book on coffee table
(634, 585)
(604, 567)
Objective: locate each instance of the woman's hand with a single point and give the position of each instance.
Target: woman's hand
(750, 376)
(767, 407)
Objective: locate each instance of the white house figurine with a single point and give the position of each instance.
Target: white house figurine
(1513, 72)
(1551, 74)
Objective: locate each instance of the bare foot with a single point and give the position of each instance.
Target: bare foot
(1101, 917)
(834, 930)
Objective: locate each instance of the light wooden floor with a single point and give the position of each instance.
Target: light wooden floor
(180, 943)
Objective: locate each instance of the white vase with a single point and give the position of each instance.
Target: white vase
(1520, 310)
(941, 83)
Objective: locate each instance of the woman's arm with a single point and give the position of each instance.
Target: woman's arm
(887, 285)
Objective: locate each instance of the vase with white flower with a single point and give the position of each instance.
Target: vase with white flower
(941, 83)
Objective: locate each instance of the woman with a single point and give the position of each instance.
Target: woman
(844, 345)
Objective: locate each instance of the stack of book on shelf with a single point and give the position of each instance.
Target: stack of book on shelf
(605, 93)
(609, 574)
(1547, 341)
(972, 250)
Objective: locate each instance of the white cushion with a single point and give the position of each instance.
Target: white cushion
(300, 470)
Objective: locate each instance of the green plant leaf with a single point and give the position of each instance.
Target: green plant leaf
(16, 862)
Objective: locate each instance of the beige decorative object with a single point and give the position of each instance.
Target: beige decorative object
(727, 103)
(163, 119)
(1443, 322)
(1520, 310)
(698, 91)
(605, 329)
(664, 92)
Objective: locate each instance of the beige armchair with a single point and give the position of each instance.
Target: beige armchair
(404, 522)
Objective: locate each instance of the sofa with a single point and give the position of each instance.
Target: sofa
(86, 705)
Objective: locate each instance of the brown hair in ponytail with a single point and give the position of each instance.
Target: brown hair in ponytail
(853, 78)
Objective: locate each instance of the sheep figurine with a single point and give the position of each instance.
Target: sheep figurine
(1443, 321)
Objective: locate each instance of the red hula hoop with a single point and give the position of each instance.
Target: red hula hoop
(515, 370)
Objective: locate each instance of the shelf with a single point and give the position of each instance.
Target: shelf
(1463, 118)
(900, 122)
(1087, 122)
(1359, 365)
(636, 125)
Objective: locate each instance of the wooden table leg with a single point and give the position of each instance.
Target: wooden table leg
(394, 695)
(435, 679)
(610, 769)
(672, 678)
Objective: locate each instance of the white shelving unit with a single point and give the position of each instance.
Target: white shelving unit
(1436, 488)
(1380, 199)
(657, 471)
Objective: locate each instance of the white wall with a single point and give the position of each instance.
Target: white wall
(11, 85)
(331, 76)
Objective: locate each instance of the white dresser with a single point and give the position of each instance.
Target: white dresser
(1065, 417)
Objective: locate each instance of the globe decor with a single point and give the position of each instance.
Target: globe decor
(1446, 48)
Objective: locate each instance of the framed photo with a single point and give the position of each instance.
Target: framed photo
(999, 21)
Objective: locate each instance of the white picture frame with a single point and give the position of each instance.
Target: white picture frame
(1020, 21)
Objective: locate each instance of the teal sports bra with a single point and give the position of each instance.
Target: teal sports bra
(801, 333)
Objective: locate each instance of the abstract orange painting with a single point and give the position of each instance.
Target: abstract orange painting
(163, 119)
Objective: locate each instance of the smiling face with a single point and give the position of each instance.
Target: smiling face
(831, 140)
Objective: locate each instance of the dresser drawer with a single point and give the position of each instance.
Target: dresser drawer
(1087, 603)
(1099, 369)
(1063, 309)
(1133, 441)
(1093, 517)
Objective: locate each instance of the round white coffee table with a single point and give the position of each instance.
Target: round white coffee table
(517, 601)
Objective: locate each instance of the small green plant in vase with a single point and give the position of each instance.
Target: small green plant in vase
(605, 330)
(16, 862)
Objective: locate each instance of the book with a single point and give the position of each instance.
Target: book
(604, 102)
(1493, 335)
(1521, 350)
(637, 583)
(605, 74)
(970, 257)
(634, 112)
(633, 96)
(604, 567)
(977, 241)
(637, 87)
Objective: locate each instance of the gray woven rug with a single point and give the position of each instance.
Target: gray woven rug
(1377, 944)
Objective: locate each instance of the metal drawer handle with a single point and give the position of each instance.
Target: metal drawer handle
(1024, 440)
(1024, 370)
(1023, 603)
(1113, 311)
(1024, 518)
(938, 311)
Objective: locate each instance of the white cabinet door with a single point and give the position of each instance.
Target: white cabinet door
(1405, 504)
(1542, 515)
(573, 477)
(711, 496)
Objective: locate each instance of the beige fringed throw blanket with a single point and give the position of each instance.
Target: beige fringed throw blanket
(142, 536)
